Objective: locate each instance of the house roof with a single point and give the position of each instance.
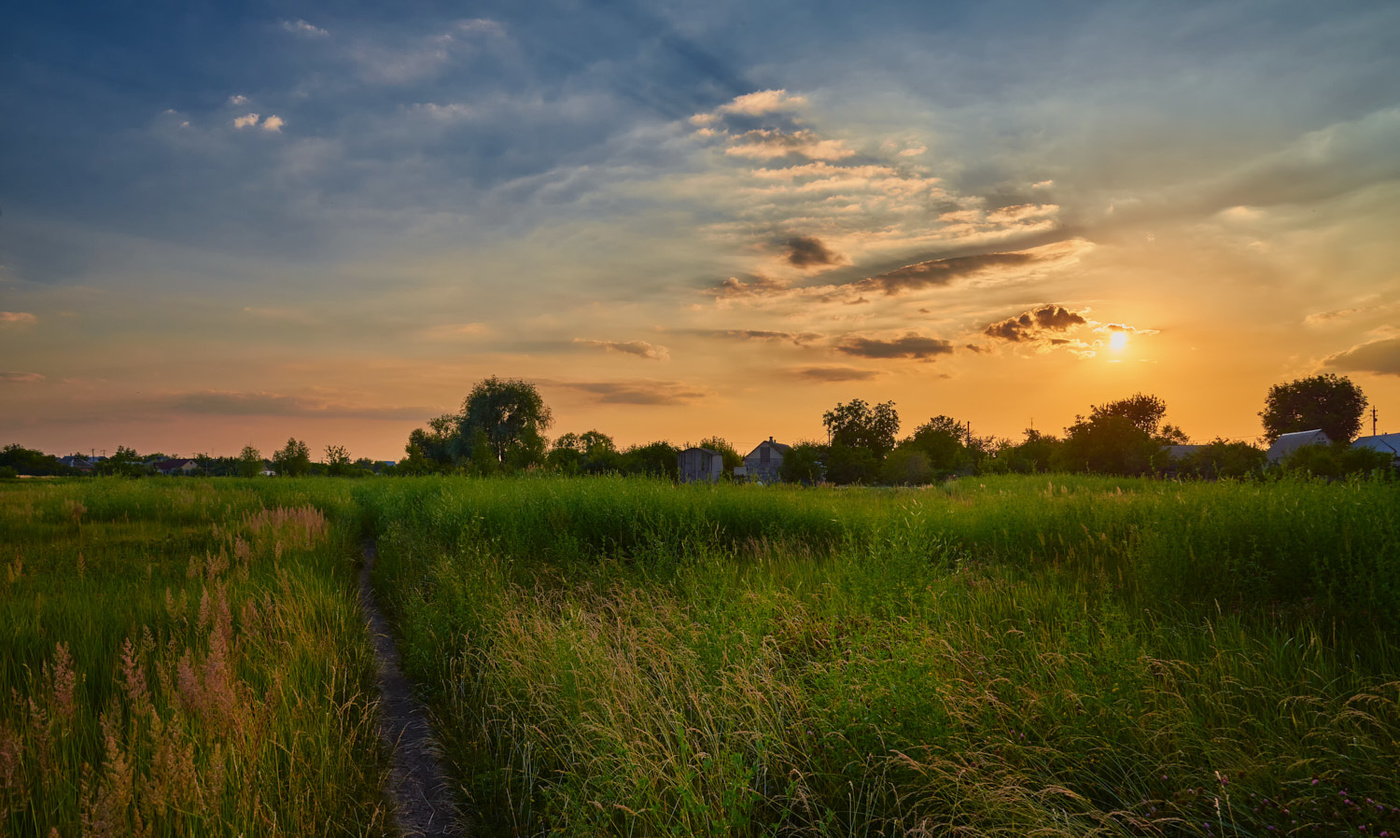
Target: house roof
(778, 446)
(1388, 443)
(1288, 443)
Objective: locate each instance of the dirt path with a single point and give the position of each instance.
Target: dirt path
(418, 789)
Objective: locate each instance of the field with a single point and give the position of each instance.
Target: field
(183, 657)
(1046, 655)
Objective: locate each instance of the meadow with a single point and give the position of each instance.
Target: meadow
(1043, 655)
(184, 658)
(1014, 656)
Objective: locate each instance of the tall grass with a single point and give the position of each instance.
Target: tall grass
(1010, 656)
(183, 658)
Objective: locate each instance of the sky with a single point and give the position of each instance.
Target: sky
(225, 224)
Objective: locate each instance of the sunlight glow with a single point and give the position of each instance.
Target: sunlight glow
(1117, 341)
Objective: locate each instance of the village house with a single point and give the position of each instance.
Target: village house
(699, 464)
(1384, 443)
(764, 464)
(177, 466)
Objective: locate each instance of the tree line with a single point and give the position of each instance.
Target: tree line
(501, 428)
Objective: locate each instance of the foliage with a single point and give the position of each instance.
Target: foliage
(1337, 460)
(654, 459)
(592, 452)
(857, 425)
(250, 462)
(942, 440)
(338, 462)
(124, 463)
(1222, 458)
(846, 465)
(294, 460)
(907, 465)
(804, 462)
(510, 417)
(1326, 401)
(32, 462)
(731, 457)
(1108, 444)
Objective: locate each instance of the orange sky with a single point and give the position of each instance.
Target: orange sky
(693, 223)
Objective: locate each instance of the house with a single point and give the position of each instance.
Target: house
(82, 464)
(764, 464)
(1385, 443)
(699, 464)
(1288, 443)
(179, 466)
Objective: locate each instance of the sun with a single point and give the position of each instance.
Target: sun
(1117, 341)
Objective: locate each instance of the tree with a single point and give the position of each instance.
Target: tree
(1222, 458)
(125, 463)
(294, 460)
(1328, 401)
(1108, 444)
(338, 460)
(804, 463)
(941, 439)
(1143, 411)
(508, 416)
(657, 459)
(907, 465)
(861, 426)
(250, 462)
(726, 452)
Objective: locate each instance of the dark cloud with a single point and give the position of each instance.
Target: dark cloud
(910, 346)
(637, 392)
(1032, 325)
(943, 271)
(836, 374)
(807, 252)
(20, 377)
(1378, 356)
(1058, 318)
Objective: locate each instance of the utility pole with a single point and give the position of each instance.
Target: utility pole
(1373, 420)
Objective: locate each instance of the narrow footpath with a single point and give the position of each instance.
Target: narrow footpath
(419, 794)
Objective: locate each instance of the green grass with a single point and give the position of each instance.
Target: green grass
(183, 657)
(1011, 656)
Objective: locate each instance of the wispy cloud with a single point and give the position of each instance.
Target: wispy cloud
(304, 29)
(835, 374)
(639, 348)
(17, 318)
(257, 403)
(21, 377)
(914, 346)
(1033, 325)
(643, 392)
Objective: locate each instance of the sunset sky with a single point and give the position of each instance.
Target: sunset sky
(231, 223)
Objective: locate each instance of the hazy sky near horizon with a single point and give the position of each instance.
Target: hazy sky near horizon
(231, 223)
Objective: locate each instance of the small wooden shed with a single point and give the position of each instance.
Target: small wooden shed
(699, 464)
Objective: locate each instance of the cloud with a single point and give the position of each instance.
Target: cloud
(303, 29)
(20, 378)
(636, 392)
(756, 286)
(237, 99)
(912, 345)
(770, 143)
(836, 373)
(246, 121)
(808, 251)
(17, 318)
(1381, 357)
(762, 102)
(943, 271)
(1032, 325)
(640, 348)
(798, 338)
(273, 123)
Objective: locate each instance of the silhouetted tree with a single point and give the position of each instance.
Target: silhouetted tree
(858, 425)
(294, 460)
(804, 463)
(250, 462)
(509, 416)
(1328, 401)
(942, 439)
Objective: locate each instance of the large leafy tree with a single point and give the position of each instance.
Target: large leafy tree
(509, 417)
(1327, 401)
(941, 440)
(856, 424)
